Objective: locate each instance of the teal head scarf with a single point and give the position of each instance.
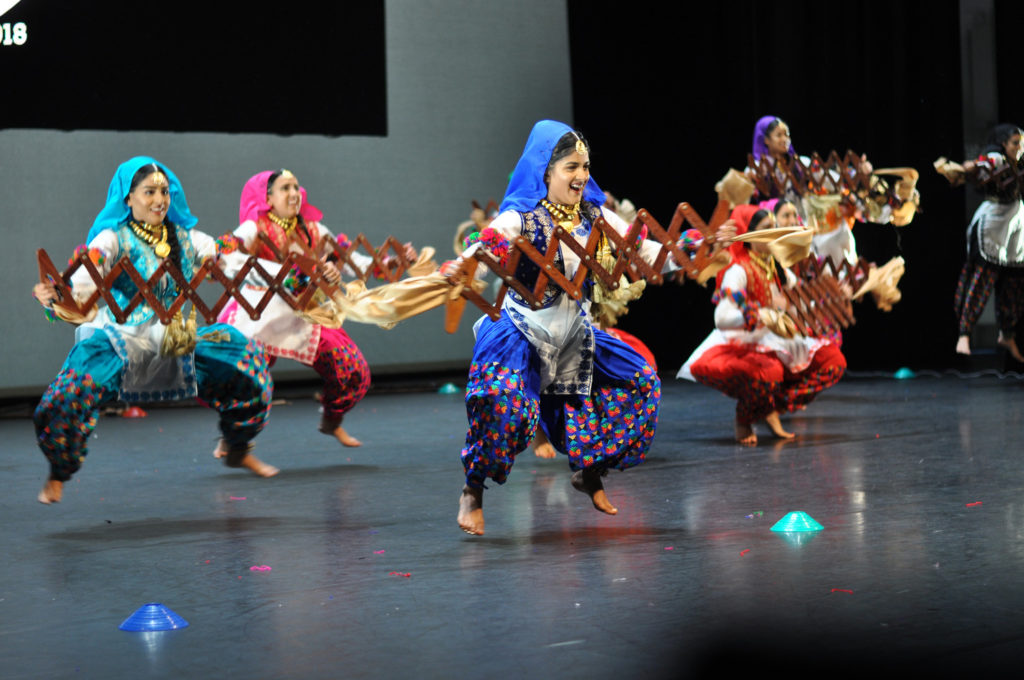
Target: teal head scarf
(116, 212)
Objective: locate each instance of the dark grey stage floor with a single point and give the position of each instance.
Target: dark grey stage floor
(919, 484)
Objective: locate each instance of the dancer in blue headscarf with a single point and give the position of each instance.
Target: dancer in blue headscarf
(593, 396)
(146, 219)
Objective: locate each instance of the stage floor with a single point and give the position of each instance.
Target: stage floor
(363, 572)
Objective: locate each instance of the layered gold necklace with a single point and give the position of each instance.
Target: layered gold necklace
(766, 263)
(153, 234)
(565, 215)
(287, 225)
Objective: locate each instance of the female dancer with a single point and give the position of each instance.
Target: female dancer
(772, 141)
(146, 219)
(995, 247)
(764, 372)
(273, 203)
(595, 398)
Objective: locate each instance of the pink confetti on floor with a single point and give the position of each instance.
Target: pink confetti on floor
(378, 552)
(842, 590)
(236, 498)
(971, 505)
(398, 573)
(669, 547)
(744, 552)
(259, 567)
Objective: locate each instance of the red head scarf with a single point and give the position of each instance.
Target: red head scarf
(757, 288)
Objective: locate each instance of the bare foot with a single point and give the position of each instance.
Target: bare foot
(542, 447)
(53, 490)
(258, 466)
(335, 429)
(590, 483)
(242, 457)
(471, 511)
(1011, 346)
(775, 425)
(745, 434)
(963, 344)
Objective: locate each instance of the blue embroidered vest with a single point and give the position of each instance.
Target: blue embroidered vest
(145, 261)
(538, 228)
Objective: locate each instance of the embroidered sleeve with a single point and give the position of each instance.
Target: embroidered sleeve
(734, 309)
(493, 240)
(97, 256)
(748, 309)
(690, 241)
(228, 243)
(104, 251)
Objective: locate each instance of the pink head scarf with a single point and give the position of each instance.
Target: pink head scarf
(253, 203)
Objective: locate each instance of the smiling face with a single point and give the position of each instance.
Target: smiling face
(150, 199)
(778, 140)
(284, 197)
(567, 178)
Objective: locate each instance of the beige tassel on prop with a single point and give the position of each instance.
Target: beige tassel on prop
(180, 335)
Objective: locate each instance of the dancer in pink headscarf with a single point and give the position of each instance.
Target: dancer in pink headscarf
(273, 203)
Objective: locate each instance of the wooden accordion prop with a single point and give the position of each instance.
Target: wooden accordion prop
(1005, 180)
(841, 176)
(296, 258)
(818, 306)
(627, 261)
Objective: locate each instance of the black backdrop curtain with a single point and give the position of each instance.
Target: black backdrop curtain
(668, 94)
(297, 67)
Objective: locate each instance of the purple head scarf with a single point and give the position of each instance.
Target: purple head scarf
(759, 147)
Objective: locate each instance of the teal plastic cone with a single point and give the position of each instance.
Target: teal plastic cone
(153, 616)
(797, 521)
(798, 539)
(449, 388)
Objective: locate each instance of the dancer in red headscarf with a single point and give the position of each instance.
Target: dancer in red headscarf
(766, 373)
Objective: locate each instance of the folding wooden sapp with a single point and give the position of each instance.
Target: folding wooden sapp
(298, 256)
(833, 175)
(817, 302)
(1006, 179)
(628, 261)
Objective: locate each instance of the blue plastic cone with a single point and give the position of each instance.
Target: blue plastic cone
(153, 616)
(797, 521)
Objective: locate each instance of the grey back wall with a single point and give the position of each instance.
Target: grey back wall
(466, 81)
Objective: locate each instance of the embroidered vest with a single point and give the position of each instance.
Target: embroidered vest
(278, 235)
(145, 261)
(538, 228)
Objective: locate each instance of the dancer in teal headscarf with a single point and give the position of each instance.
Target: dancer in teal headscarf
(594, 397)
(146, 219)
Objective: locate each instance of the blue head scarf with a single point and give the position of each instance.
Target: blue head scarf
(116, 212)
(526, 187)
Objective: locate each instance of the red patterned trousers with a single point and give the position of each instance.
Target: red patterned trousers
(761, 383)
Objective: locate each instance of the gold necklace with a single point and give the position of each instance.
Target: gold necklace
(148, 233)
(287, 225)
(766, 263)
(564, 215)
